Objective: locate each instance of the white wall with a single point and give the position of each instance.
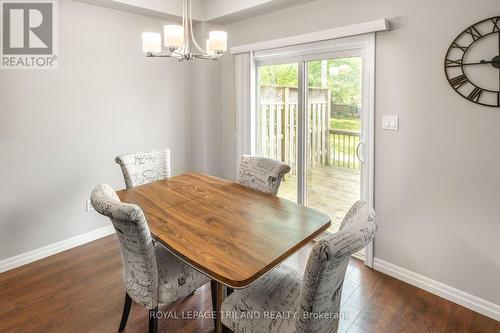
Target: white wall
(205, 98)
(437, 179)
(60, 129)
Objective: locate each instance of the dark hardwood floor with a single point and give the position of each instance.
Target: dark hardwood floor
(81, 290)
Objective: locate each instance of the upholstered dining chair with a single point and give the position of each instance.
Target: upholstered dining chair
(261, 173)
(152, 275)
(314, 296)
(144, 167)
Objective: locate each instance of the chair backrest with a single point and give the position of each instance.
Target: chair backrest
(261, 173)
(144, 166)
(326, 268)
(140, 272)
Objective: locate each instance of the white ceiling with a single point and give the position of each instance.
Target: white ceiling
(215, 11)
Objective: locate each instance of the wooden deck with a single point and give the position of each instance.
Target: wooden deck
(331, 190)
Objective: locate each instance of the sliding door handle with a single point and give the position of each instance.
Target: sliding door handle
(358, 147)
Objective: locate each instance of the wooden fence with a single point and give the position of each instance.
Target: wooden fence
(277, 124)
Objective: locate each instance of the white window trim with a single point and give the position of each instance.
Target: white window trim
(245, 106)
(330, 34)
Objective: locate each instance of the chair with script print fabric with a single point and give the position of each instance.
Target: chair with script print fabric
(313, 297)
(152, 275)
(144, 167)
(261, 173)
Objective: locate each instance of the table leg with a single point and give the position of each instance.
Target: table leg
(221, 295)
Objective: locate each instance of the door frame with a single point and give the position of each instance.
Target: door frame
(306, 52)
(367, 116)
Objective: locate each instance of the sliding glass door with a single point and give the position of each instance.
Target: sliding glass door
(334, 119)
(314, 111)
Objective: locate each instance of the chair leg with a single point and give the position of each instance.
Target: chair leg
(126, 311)
(213, 290)
(153, 321)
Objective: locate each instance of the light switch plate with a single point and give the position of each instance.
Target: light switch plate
(390, 123)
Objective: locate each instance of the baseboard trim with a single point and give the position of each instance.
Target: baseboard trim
(51, 249)
(454, 295)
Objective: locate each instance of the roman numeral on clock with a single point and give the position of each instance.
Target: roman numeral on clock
(453, 63)
(475, 95)
(475, 34)
(458, 81)
(496, 26)
(456, 46)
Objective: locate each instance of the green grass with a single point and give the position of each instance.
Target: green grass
(351, 125)
(346, 124)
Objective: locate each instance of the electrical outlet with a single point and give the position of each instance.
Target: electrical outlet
(89, 206)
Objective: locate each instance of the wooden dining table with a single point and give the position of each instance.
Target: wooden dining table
(229, 232)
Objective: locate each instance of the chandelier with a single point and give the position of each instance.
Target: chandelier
(180, 43)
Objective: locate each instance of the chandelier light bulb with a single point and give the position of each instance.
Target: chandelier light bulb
(151, 42)
(173, 36)
(218, 41)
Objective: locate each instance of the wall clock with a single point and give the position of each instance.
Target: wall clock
(472, 63)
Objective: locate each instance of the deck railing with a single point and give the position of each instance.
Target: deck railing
(343, 149)
(277, 124)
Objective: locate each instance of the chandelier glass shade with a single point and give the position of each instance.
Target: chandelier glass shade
(180, 43)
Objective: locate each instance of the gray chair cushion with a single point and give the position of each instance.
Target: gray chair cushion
(176, 278)
(261, 173)
(144, 167)
(316, 296)
(151, 273)
(326, 267)
(277, 293)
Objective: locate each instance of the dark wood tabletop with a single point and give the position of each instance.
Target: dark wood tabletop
(229, 232)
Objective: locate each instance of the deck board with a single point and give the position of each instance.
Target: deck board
(331, 190)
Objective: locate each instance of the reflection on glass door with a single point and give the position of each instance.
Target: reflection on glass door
(333, 134)
(276, 120)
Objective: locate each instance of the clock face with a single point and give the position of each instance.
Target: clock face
(472, 63)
